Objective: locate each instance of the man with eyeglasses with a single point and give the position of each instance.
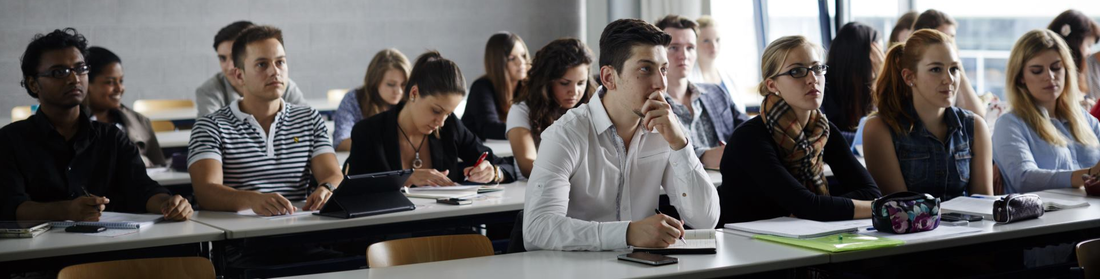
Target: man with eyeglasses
(705, 109)
(60, 165)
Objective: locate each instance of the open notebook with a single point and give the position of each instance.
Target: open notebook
(115, 220)
(700, 241)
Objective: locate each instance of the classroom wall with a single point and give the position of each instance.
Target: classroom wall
(166, 45)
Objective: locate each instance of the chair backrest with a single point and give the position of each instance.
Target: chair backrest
(998, 181)
(20, 113)
(336, 95)
(428, 249)
(180, 267)
(1088, 257)
(146, 106)
(163, 126)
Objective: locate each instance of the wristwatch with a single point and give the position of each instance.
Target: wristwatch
(328, 186)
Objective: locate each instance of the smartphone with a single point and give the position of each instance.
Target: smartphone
(953, 217)
(454, 201)
(649, 259)
(85, 229)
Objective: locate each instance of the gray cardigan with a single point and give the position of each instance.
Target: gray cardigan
(217, 93)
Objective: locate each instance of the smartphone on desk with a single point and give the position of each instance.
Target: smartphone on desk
(649, 259)
(455, 201)
(954, 217)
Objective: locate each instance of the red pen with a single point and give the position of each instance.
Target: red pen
(479, 160)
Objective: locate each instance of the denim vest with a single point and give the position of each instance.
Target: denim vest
(941, 169)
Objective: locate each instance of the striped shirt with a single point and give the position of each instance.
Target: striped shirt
(278, 162)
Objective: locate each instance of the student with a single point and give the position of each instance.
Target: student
(422, 134)
(1045, 141)
(506, 65)
(778, 157)
(557, 82)
(967, 97)
(918, 141)
(708, 69)
(902, 28)
(61, 165)
(1080, 33)
(382, 88)
(221, 90)
(602, 165)
(705, 110)
(259, 151)
(854, 60)
(104, 101)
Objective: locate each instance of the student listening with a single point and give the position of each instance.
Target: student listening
(967, 98)
(104, 101)
(601, 166)
(778, 158)
(59, 164)
(709, 69)
(1080, 33)
(557, 82)
(902, 29)
(383, 87)
(221, 90)
(422, 134)
(1046, 141)
(918, 140)
(854, 59)
(506, 65)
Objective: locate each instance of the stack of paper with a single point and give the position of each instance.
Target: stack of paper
(438, 192)
(115, 220)
(1050, 204)
(973, 205)
(792, 227)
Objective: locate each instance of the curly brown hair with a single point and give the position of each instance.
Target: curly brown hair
(551, 63)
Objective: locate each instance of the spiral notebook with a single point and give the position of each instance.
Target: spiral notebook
(702, 241)
(115, 220)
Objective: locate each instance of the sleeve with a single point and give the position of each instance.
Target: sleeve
(205, 142)
(518, 117)
(294, 94)
(690, 190)
(152, 145)
(470, 149)
(545, 225)
(137, 185)
(855, 181)
(363, 158)
(481, 115)
(1012, 152)
(345, 117)
(778, 186)
(321, 142)
(208, 98)
(13, 191)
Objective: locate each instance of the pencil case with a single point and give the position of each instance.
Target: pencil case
(1017, 207)
(905, 212)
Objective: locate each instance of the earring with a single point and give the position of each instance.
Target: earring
(910, 84)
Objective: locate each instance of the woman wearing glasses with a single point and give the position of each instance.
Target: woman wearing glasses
(918, 140)
(778, 157)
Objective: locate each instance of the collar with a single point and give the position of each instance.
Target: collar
(83, 132)
(600, 119)
(235, 106)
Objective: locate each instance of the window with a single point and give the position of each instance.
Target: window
(739, 54)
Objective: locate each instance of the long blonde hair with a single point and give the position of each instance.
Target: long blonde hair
(774, 55)
(1028, 46)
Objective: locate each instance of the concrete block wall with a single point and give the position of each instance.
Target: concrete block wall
(166, 45)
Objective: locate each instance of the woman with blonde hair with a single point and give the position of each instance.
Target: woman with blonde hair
(1046, 141)
(383, 87)
(919, 140)
(778, 157)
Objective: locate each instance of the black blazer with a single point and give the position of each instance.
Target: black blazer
(375, 147)
(481, 114)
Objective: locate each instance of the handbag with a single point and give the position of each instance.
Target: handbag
(905, 212)
(1016, 207)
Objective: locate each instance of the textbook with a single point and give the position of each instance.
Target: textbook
(115, 220)
(702, 241)
(792, 227)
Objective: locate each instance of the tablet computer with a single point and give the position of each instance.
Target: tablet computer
(369, 194)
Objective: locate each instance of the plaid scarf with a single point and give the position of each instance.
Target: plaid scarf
(800, 147)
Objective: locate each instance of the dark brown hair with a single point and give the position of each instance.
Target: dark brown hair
(932, 19)
(620, 36)
(678, 22)
(250, 35)
(551, 63)
(497, 51)
(230, 32)
(1077, 26)
(904, 23)
(434, 75)
(849, 79)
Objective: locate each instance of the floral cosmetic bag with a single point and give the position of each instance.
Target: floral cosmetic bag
(905, 212)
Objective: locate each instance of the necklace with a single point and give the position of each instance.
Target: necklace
(416, 162)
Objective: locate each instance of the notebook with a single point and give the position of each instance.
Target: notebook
(23, 229)
(973, 205)
(437, 192)
(792, 227)
(1050, 204)
(702, 241)
(115, 220)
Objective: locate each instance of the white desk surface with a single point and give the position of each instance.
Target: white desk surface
(57, 242)
(192, 113)
(736, 255)
(180, 138)
(170, 177)
(237, 226)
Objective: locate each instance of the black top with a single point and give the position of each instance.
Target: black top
(376, 147)
(481, 116)
(39, 165)
(758, 186)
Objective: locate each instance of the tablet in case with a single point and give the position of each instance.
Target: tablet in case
(369, 194)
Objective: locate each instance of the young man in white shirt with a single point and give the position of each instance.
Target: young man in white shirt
(601, 166)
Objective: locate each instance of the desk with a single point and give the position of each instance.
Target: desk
(180, 138)
(57, 242)
(737, 255)
(168, 177)
(501, 148)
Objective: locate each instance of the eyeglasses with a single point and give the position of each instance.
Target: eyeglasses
(801, 72)
(81, 69)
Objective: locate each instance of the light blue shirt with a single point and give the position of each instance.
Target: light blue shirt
(347, 114)
(1028, 163)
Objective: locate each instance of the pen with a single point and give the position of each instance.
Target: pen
(681, 222)
(479, 160)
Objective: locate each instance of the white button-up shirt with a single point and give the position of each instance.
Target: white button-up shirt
(586, 186)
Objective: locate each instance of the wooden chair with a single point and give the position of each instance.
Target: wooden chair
(20, 113)
(180, 267)
(1088, 257)
(146, 106)
(428, 249)
(163, 126)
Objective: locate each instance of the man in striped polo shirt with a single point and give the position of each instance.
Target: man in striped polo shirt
(259, 152)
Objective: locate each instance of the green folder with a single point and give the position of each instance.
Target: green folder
(837, 242)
